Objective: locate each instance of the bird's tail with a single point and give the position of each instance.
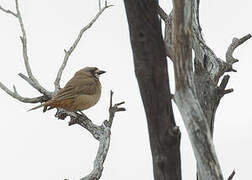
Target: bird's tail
(41, 105)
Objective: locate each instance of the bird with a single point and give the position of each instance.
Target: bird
(80, 93)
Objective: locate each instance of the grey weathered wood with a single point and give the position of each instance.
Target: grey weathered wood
(209, 70)
(186, 95)
(197, 91)
(101, 133)
(151, 72)
(76, 42)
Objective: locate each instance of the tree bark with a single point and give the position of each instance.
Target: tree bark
(186, 94)
(152, 76)
(197, 92)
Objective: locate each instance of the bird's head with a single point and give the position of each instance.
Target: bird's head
(94, 71)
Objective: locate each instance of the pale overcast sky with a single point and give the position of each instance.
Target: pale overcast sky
(36, 145)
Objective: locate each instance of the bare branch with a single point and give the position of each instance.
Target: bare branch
(71, 49)
(208, 70)
(223, 85)
(235, 43)
(224, 82)
(221, 89)
(104, 142)
(231, 175)
(214, 65)
(162, 14)
(100, 156)
(21, 98)
(7, 11)
(31, 79)
(99, 1)
(23, 38)
(35, 85)
(100, 133)
(81, 120)
(113, 109)
(168, 20)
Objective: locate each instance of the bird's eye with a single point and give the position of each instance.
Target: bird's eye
(95, 70)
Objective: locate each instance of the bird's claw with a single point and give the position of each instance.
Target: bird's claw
(79, 113)
(60, 115)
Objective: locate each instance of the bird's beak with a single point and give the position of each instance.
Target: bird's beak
(100, 72)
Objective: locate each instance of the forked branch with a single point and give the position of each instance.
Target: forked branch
(235, 43)
(168, 20)
(15, 95)
(231, 175)
(102, 132)
(8, 11)
(23, 38)
(30, 78)
(71, 49)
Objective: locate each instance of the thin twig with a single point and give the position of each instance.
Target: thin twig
(101, 133)
(231, 175)
(113, 109)
(23, 38)
(168, 31)
(235, 43)
(224, 82)
(223, 85)
(21, 98)
(99, 5)
(24, 41)
(8, 11)
(162, 14)
(111, 99)
(34, 84)
(221, 89)
(71, 49)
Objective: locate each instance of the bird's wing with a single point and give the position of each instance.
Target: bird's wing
(78, 86)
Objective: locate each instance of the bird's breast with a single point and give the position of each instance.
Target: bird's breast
(83, 102)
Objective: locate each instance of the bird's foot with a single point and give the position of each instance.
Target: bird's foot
(79, 113)
(60, 114)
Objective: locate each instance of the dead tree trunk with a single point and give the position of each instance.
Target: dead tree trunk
(197, 91)
(186, 93)
(151, 72)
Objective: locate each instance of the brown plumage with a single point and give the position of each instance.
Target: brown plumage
(81, 92)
